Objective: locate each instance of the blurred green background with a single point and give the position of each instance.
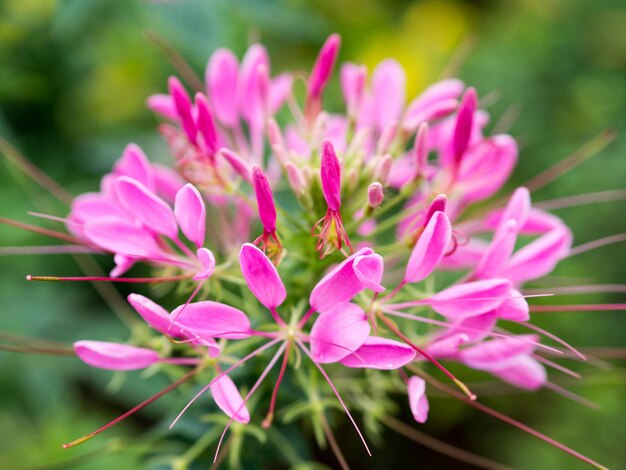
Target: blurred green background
(73, 81)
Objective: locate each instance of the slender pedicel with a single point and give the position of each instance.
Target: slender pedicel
(592, 245)
(112, 279)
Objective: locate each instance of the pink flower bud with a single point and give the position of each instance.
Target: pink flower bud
(241, 166)
(352, 85)
(421, 148)
(438, 204)
(382, 169)
(265, 200)
(183, 108)
(387, 136)
(274, 134)
(323, 66)
(375, 194)
(330, 173)
(205, 123)
(296, 178)
(464, 123)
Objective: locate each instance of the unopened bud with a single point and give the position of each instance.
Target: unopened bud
(382, 169)
(296, 178)
(386, 137)
(375, 194)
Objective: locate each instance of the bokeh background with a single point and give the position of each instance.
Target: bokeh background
(74, 76)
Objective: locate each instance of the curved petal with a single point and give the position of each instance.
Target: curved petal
(146, 206)
(190, 214)
(418, 402)
(389, 89)
(338, 332)
(471, 298)
(497, 353)
(207, 260)
(514, 308)
(261, 276)
(380, 353)
(114, 356)
(499, 251)
(221, 80)
(155, 315)
(209, 319)
(524, 372)
(134, 164)
(123, 237)
(228, 398)
(429, 249)
(369, 271)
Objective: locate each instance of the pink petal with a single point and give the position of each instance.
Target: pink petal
(323, 66)
(447, 346)
(114, 356)
(418, 402)
(183, 108)
(205, 123)
(330, 173)
(449, 89)
(241, 166)
(146, 206)
(345, 281)
(154, 315)
(380, 353)
(539, 257)
(475, 328)
(221, 80)
(190, 214)
(120, 236)
(207, 260)
(523, 372)
(515, 308)
(265, 200)
(122, 265)
(353, 85)
(248, 82)
(228, 398)
(471, 298)
(464, 123)
(389, 89)
(496, 353)
(163, 105)
(134, 164)
(338, 331)
(261, 276)
(518, 208)
(280, 89)
(209, 319)
(499, 251)
(429, 249)
(167, 182)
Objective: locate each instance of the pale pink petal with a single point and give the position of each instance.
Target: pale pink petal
(429, 249)
(449, 89)
(471, 298)
(524, 372)
(518, 208)
(389, 89)
(134, 164)
(280, 89)
(465, 256)
(209, 319)
(475, 328)
(167, 182)
(190, 214)
(221, 80)
(447, 346)
(123, 237)
(418, 402)
(515, 308)
(339, 331)
(369, 269)
(353, 78)
(228, 398)
(247, 83)
(539, 257)
(497, 353)
(261, 276)
(163, 105)
(122, 264)
(380, 353)
(114, 356)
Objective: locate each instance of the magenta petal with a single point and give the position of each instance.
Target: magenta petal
(228, 398)
(330, 173)
(518, 208)
(471, 298)
(221, 79)
(523, 372)
(464, 123)
(280, 88)
(163, 105)
(183, 108)
(261, 276)
(324, 65)
(496, 353)
(418, 402)
(209, 319)
(429, 249)
(114, 356)
(338, 331)
(539, 257)
(155, 315)
(369, 271)
(134, 164)
(123, 237)
(205, 123)
(342, 283)
(190, 214)
(146, 206)
(380, 353)
(265, 200)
